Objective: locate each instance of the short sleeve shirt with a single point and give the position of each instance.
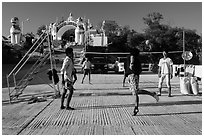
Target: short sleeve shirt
(165, 65)
(87, 65)
(67, 68)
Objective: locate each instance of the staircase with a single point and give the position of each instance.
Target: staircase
(20, 85)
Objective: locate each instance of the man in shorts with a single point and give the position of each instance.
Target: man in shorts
(134, 74)
(165, 71)
(67, 78)
(87, 70)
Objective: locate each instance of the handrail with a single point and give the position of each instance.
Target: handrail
(25, 55)
(23, 83)
(29, 57)
(33, 68)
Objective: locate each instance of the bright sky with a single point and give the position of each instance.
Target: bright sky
(180, 14)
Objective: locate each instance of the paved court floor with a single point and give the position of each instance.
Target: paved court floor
(104, 108)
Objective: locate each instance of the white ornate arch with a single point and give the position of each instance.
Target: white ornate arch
(62, 28)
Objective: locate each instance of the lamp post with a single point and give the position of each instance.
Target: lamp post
(23, 24)
(184, 60)
(103, 33)
(183, 43)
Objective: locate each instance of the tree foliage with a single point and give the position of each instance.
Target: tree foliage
(164, 37)
(40, 29)
(119, 39)
(159, 36)
(153, 20)
(28, 43)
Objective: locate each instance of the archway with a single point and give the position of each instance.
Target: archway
(63, 29)
(69, 35)
(79, 26)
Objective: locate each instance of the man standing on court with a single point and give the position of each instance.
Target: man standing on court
(86, 66)
(67, 79)
(165, 71)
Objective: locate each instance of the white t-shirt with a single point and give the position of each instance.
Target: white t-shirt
(67, 69)
(165, 65)
(87, 65)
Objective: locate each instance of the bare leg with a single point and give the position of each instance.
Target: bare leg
(136, 110)
(159, 94)
(62, 98)
(69, 97)
(89, 78)
(83, 78)
(134, 84)
(169, 92)
(124, 80)
(75, 78)
(168, 77)
(145, 92)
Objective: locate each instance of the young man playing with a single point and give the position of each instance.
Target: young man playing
(67, 79)
(135, 70)
(165, 71)
(87, 70)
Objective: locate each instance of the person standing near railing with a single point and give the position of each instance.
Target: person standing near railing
(67, 79)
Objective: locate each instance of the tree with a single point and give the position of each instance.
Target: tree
(164, 37)
(137, 41)
(159, 36)
(191, 44)
(155, 31)
(121, 42)
(110, 27)
(28, 43)
(40, 29)
(153, 20)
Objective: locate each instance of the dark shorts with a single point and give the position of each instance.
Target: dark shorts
(68, 84)
(87, 71)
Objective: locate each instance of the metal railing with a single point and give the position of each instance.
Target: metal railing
(23, 61)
